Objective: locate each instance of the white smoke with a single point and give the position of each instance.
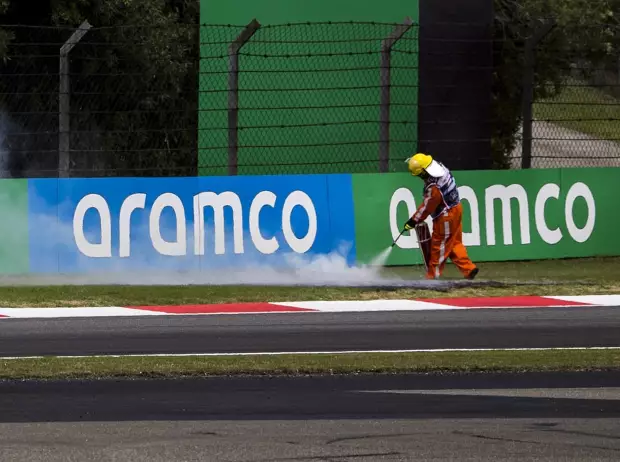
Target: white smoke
(144, 267)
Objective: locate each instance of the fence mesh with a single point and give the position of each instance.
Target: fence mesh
(576, 109)
(580, 127)
(309, 97)
(132, 94)
(149, 102)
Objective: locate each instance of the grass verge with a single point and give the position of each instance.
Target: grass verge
(201, 366)
(597, 115)
(591, 276)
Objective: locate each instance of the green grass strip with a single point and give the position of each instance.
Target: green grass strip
(588, 276)
(296, 364)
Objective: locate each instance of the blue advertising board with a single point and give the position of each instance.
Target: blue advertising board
(116, 224)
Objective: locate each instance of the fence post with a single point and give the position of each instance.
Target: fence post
(233, 93)
(386, 52)
(64, 119)
(528, 89)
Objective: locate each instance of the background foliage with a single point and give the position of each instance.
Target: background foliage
(584, 40)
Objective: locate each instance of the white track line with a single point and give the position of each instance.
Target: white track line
(281, 353)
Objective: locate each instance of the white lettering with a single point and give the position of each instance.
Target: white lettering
(104, 248)
(580, 190)
(301, 199)
(468, 194)
(217, 202)
(505, 194)
(265, 246)
(179, 246)
(133, 202)
(548, 191)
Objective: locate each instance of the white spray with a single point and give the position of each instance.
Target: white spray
(145, 268)
(381, 259)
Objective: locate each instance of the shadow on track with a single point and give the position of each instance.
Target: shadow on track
(307, 398)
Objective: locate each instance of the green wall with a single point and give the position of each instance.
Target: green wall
(524, 222)
(14, 255)
(352, 133)
(286, 11)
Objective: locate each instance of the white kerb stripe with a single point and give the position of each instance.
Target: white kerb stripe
(367, 305)
(77, 312)
(602, 300)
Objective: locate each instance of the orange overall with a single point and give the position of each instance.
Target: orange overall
(447, 238)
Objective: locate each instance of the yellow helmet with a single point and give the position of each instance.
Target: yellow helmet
(418, 163)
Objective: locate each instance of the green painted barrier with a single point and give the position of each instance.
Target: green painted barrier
(327, 75)
(508, 215)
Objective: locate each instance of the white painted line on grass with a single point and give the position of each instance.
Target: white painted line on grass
(282, 353)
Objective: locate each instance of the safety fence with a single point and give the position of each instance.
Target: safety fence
(317, 97)
(300, 98)
(111, 101)
(569, 95)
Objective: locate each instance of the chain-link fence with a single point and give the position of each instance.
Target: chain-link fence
(575, 104)
(124, 102)
(580, 127)
(309, 98)
(300, 98)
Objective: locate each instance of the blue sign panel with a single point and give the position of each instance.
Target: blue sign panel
(119, 224)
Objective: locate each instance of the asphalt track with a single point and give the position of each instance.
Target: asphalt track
(361, 418)
(512, 417)
(308, 332)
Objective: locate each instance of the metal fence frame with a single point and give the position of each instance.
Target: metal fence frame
(387, 44)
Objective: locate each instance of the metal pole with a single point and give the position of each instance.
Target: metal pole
(528, 89)
(64, 121)
(233, 94)
(384, 130)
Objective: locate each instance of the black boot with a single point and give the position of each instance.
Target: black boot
(473, 274)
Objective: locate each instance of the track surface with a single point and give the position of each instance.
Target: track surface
(351, 418)
(542, 416)
(487, 328)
